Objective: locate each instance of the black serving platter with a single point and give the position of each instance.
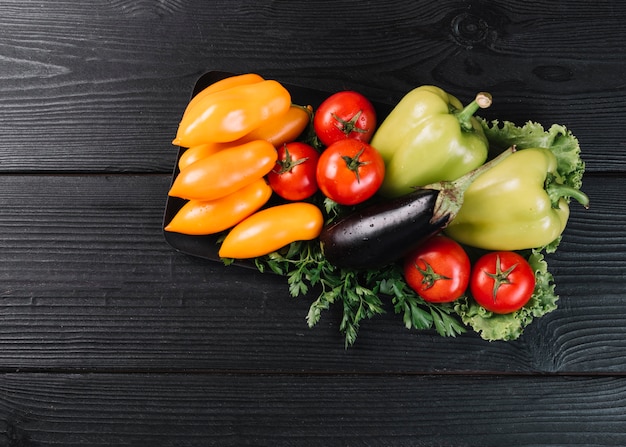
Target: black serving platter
(207, 247)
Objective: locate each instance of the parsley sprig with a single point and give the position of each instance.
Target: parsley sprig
(362, 294)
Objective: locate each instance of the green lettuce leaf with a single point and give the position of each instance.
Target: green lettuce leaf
(494, 327)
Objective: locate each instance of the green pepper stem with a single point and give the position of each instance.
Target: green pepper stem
(450, 197)
(482, 101)
(556, 191)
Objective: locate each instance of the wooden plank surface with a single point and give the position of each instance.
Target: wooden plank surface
(311, 410)
(108, 336)
(102, 87)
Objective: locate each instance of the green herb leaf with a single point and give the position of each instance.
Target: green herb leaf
(362, 294)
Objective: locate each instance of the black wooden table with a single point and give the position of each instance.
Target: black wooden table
(108, 336)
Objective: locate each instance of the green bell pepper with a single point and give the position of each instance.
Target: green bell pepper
(518, 204)
(429, 137)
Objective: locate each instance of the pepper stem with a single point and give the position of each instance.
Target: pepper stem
(451, 193)
(556, 191)
(482, 101)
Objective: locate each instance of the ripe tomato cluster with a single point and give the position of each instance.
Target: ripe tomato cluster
(441, 271)
(349, 170)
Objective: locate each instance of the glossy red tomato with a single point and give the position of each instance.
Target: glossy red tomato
(294, 176)
(350, 171)
(345, 114)
(438, 270)
(502, 281)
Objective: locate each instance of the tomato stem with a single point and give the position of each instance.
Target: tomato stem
(429, 276)
(353, 163)
(287, 164)
(500, 277)
(349, 126)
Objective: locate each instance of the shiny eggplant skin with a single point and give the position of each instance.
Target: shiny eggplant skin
(383, 232)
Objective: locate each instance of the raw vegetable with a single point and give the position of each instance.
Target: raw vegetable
(195, 153)
(444, 144)
(560, 140)
(284, 129)
(279, 131)
(350, 171)
(438, 270)
(198, 217)
(293, 177)
(221, 85)
(383, 232)
(228, 115)
(408, 113)
(502, 281)
(346, 114)
(504, 327)
(271, 229)
(519, 204)
(224, 172)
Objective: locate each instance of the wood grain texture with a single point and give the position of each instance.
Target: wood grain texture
(295, 410)
(101, 88)
(87, 281)
(108, 336)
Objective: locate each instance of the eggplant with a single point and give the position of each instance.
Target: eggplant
(383, 232)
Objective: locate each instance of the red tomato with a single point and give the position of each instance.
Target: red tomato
(293, 177)
(502, 281)
(350, 171)
(345, 114)
(438, 270)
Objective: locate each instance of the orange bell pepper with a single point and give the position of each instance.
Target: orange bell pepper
(283, 129)
(199, 217)
(196, 153)
(225, 172)
(230, 114)
(221, 85)
(271, 229)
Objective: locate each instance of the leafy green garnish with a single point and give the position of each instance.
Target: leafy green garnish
(360, 292)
